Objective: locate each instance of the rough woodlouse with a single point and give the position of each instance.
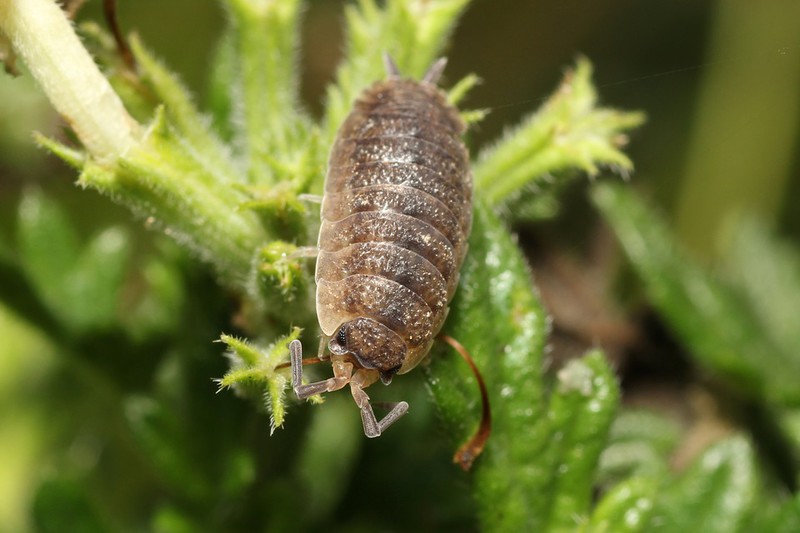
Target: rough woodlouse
(396, 215)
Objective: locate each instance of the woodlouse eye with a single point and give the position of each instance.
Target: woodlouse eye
(341, 337)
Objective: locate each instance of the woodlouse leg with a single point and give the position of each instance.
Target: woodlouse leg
(304, 252)
(372, 426)
(321, 355)
(313, 198)
(342, 373)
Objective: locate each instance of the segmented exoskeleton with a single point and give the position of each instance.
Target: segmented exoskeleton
(396, 215)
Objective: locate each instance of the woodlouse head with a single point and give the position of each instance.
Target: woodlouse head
(373, 345)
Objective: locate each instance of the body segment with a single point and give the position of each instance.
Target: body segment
(396, 215)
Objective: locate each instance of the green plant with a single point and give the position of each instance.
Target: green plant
(226, 189)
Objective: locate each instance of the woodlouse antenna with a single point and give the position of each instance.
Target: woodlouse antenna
(307, 361)
(470, 450)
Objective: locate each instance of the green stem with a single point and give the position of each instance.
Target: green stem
(266, 39)
(41, 34)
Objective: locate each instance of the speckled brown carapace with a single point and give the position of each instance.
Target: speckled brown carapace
(395, 220)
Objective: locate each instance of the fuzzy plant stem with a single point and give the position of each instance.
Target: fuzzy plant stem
(40, 33)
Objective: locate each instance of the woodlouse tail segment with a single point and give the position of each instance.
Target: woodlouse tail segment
(470, 450)
(432, 76)
(435, 71)
(342, 375)
(391, 67)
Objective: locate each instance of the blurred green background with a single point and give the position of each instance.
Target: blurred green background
(719, 81)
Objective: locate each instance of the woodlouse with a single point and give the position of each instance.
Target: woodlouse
(396, 215)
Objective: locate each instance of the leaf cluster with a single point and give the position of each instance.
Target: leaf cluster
(226, 185)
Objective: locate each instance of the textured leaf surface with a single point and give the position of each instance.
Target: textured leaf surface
(539, 463)
(184, 115)
(720, 492)
(48, 246)
(766, 271)
(97, 277)
(271, 125)
(708, 314)
(626, 508)
(639, 444)
(79, 283)
(499, 319)
(568, 133)
(227, 205)
(253, 370)
(580, 414)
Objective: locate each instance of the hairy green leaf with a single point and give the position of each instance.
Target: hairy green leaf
(639, 443)
(253, 370)
(535, 449)
(184, 115)
(96, 281)
(80, 284)
(271, 126)
(625, 508)
(579, 414)
(708, 314)
(48, 248)
(164, 181)
(568, 133)
(767, 272)
(719, 492)
(237, 207)
(499, 319)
